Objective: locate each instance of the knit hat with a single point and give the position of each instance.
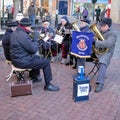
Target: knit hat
(25, 22)
(65, 18)
(85, 20)
(106, 21)
(12, 23)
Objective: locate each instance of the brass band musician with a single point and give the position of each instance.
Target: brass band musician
(23, 50)
(46, 44)
(65, 27)
(104, 59)
(84, 27)
(11, 27)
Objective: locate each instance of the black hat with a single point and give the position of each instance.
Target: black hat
(106, 21)
(12, 23)
(45, 21)
(85, 20)
(25, 22)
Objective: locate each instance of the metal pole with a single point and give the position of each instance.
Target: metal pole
(3, 10)
(21, 6)
(56, 18)
(0, 16)
(93, 12)
(3, 16)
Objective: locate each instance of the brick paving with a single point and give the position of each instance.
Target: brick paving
(45, 105)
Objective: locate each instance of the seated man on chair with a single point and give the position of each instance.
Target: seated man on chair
(11, 27)
(23, 50)
(104, 59)
(46, 44)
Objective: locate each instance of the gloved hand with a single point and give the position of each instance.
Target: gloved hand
(35, 36)
(94, 40)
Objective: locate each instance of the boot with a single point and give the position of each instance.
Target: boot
(63, 61)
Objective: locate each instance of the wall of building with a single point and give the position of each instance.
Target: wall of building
(115, 11)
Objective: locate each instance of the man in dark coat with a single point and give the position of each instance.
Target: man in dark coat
(11, 26)
(104, 59)
(23, 50)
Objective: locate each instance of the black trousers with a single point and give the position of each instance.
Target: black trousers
(38, 64)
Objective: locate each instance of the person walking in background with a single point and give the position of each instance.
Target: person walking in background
(78, 12)
(103, 12)
(98, 12)
(85, 13)
(42, 12)
(31, 13)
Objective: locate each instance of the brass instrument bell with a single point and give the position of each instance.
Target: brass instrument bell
(99, 36)
(74, 25)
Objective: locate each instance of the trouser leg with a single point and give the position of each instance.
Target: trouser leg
(64, 52)
(42, 64)
(34, 72)
(81, 62)
(54, 53)
(47, 73)
(101, 73)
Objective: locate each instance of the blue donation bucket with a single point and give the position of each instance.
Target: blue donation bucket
(81, 88)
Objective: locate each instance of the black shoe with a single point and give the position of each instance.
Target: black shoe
(99, 87)
(74, 67)
(69, 63)
(90, 88)
(51, 87)
(36, 79)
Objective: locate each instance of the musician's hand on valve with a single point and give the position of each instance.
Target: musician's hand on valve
(42, 35)
(94, 40)
(35, 35)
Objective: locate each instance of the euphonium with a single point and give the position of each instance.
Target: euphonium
(99, 36)
(74, 25)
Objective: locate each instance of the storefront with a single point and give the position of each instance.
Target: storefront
(5, 6)
(88, 4)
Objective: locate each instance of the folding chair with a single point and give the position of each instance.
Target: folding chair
(18, 71)
(95, 62)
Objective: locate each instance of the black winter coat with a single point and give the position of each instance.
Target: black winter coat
(23, 48)
(6, 43)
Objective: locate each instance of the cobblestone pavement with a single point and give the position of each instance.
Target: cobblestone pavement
(43, 105)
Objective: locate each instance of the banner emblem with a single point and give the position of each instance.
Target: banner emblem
(82, 45)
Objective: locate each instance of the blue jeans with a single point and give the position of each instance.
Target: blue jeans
(32, 19)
